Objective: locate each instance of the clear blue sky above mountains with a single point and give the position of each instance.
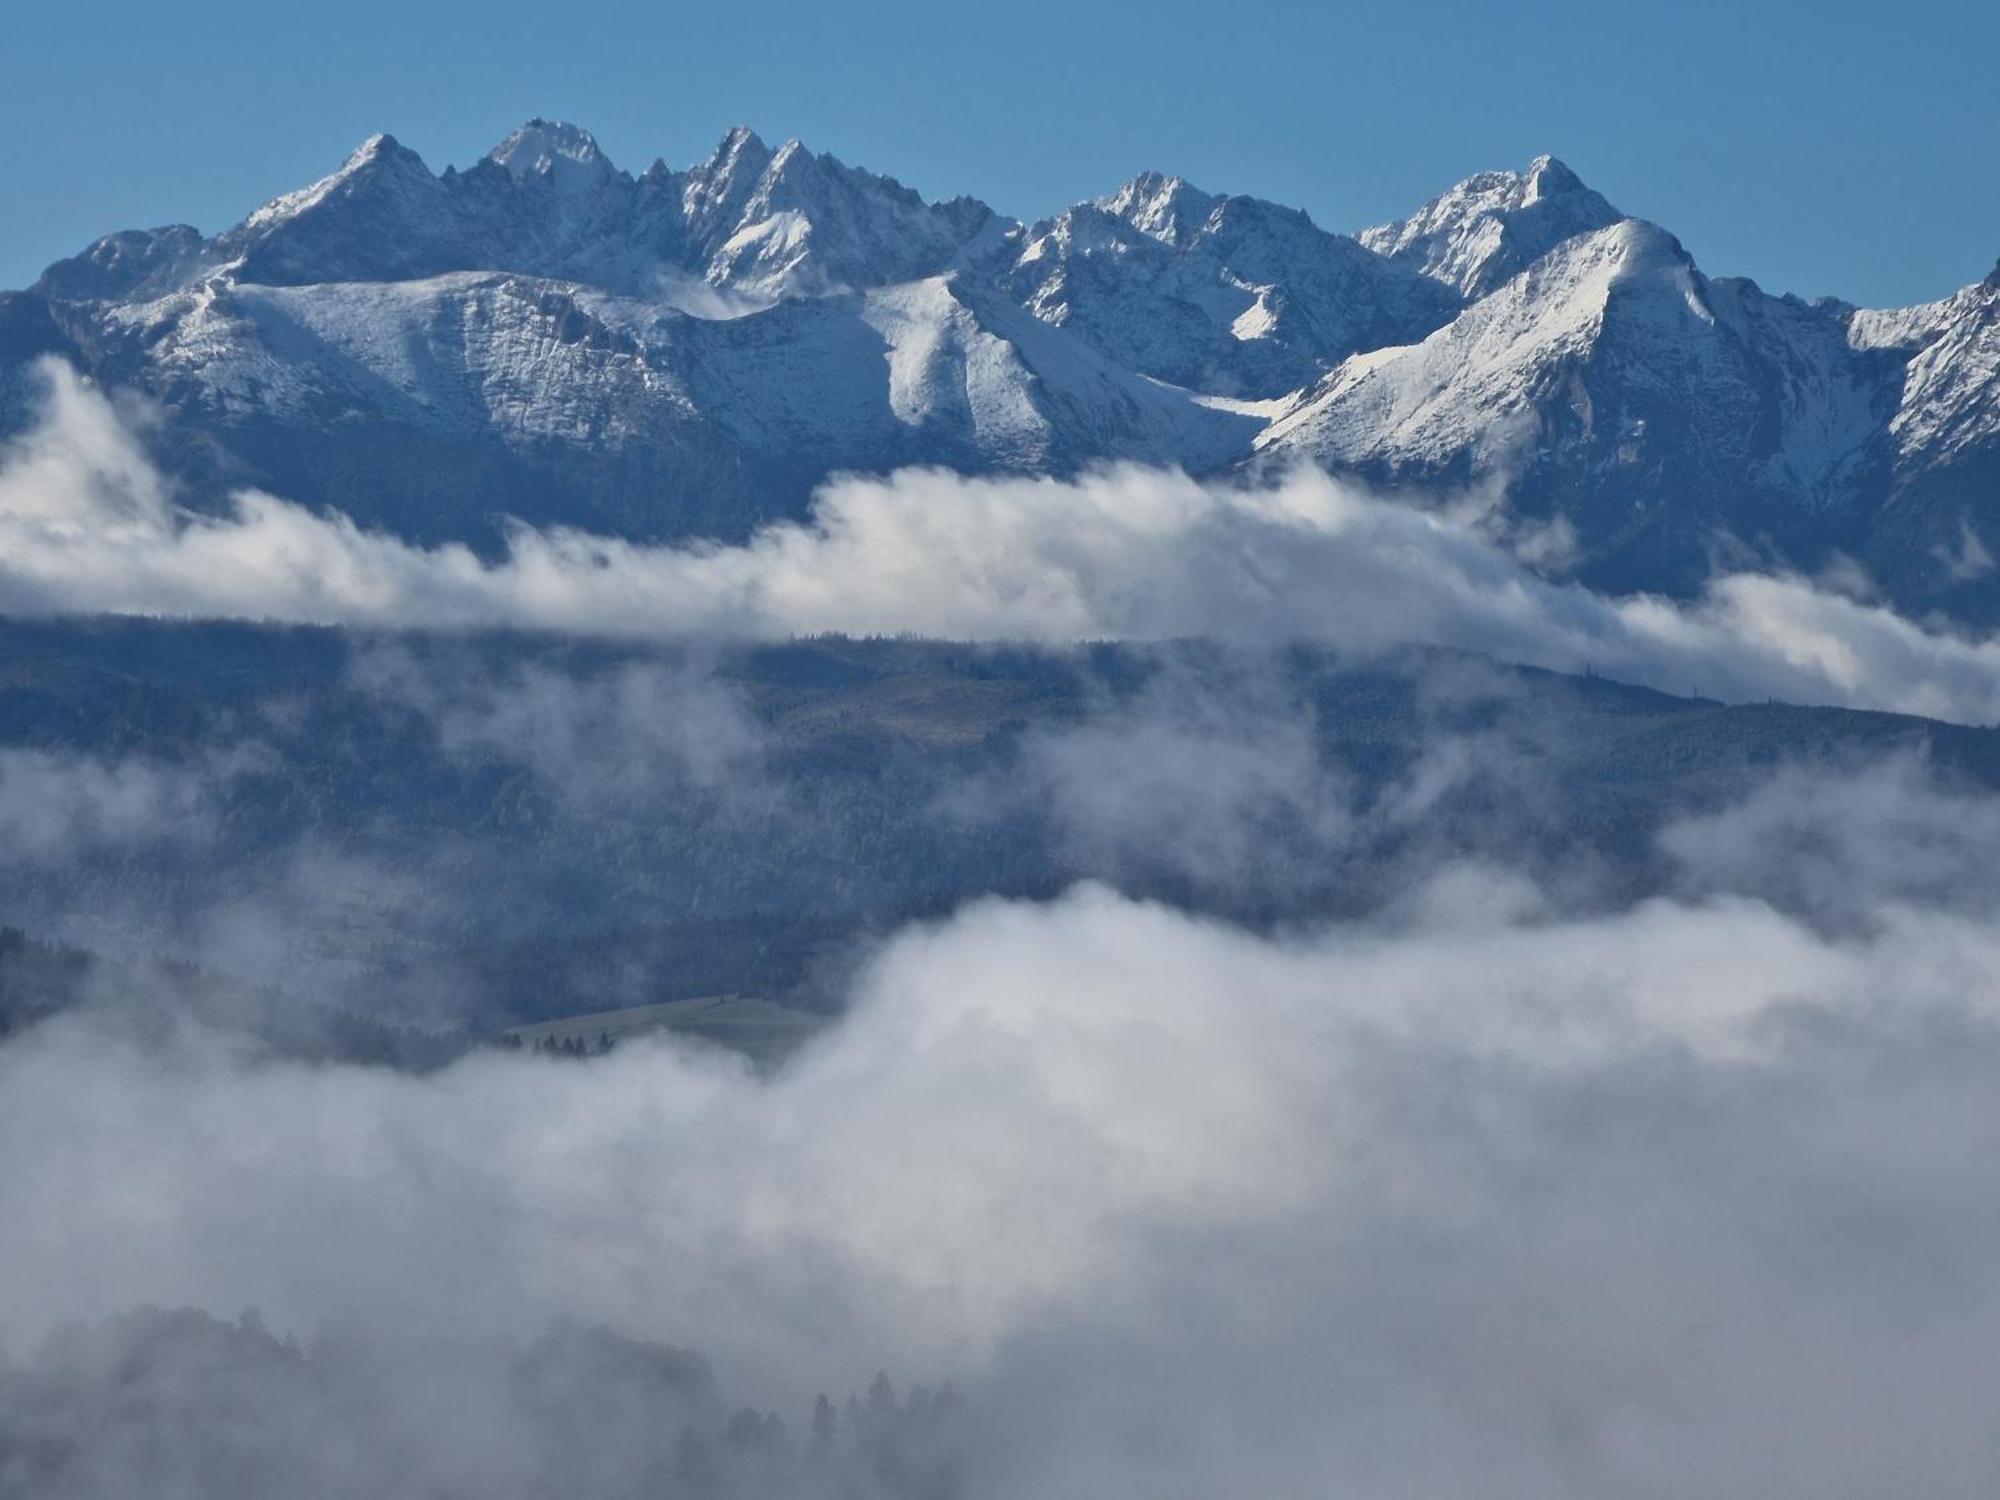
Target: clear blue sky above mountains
(1841, 148)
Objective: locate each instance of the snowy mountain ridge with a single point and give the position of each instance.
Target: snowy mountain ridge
(688, 352)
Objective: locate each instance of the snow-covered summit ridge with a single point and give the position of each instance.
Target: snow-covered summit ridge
(1242, 297)
(566, 154)
(547, 201)
(1494, 225)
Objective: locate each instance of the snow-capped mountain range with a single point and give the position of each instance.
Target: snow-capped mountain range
(687, 353)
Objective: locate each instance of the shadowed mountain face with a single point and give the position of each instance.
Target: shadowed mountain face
(688, 353)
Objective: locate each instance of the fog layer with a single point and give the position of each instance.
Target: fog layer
(1476, 1198)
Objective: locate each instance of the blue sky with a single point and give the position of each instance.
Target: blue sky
(1821, 148)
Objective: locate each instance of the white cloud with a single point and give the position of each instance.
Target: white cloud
(86, 524)
(1491, 1200)
(626, 737)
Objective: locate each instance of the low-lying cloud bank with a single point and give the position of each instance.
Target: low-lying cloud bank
(1496, 1193)
(87, 524)
(1483, 1201)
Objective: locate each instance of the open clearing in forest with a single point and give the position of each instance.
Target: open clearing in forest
(743, 1023)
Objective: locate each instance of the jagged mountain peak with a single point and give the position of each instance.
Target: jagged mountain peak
(379, 157)
(379, 147)
(795, 174)
(1548, 176)
(566, 154)
(1167, 208)
(795, 221)
(383, 151)
(717, 188)
(1225, 294)
(740, 153)
(1491, 226)
(738, 139)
